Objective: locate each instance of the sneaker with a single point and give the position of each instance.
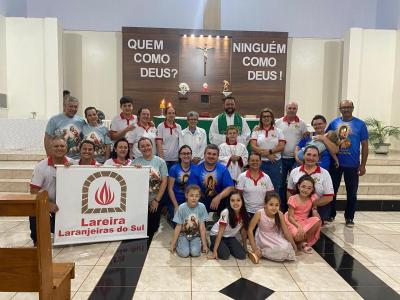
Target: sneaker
(253, 257)
(349, 223)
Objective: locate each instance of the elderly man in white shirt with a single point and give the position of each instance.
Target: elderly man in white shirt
(229, 117)
(195, 137)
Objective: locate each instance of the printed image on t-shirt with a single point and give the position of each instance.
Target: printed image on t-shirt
(191, 225)
(183, 179)
(343, 133)
(210, 183)
(155, 180)
(71, 135)
(99, 143)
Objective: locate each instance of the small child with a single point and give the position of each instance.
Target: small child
(332, 136)
(232, 154)
(273, 240)
(222, 235)
(190, 231)
(305, 230)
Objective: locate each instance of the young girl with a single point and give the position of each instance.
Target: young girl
(273, 240)
(222, 235)
(305, 229)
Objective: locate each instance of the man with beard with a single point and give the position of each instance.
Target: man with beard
(353, 136)
(213, 178)
(218, 127)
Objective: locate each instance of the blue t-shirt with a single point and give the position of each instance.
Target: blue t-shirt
(350, 134)
(181, 179)
(68, 129)
(99, 136)
(158, 170)
(211, 182)
(325, 157)
(190, 218)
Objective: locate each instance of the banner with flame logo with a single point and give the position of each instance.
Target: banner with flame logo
(101, 204)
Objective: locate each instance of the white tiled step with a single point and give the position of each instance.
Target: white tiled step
(372, 197)
(21, 156)
(376, 188)
(14, 185)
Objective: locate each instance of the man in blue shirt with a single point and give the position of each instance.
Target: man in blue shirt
(66, 125)
(213, 178)
(352, 132)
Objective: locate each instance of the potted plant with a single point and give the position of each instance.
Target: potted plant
(378, 134)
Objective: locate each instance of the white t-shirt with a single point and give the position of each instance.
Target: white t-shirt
(224, 219)
(115, 162)
(268, 139)
(323, 181)
(293, 132)
(134, 136)
(119, 123)
(44, 177)
(170, 137)
(197, 141)
(254, 191)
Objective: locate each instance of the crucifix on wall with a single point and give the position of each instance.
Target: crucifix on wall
(205, 56)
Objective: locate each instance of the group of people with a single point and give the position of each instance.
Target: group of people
(277, 194)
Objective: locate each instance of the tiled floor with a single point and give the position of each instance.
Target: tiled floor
(363, 262)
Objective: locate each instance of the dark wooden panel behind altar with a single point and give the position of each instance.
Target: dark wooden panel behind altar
(156, 60)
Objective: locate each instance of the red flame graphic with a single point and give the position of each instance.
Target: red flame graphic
(104, 196)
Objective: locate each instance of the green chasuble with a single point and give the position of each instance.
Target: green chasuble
(237, 122)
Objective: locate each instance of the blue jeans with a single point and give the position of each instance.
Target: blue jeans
(351, 179)
(274, 171)
(228, 246)
(185, 247)
(287, 165)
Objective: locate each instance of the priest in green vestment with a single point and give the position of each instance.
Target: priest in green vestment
(217, 134)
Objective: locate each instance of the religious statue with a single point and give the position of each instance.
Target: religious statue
(183, 88)
(205, 56)
(226, 90)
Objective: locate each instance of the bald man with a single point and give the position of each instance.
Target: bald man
(352, 133)
(293, 129)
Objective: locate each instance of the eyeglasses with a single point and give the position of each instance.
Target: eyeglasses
(185, 153)
(266, 117)
(346, 107)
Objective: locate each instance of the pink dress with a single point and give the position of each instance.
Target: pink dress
(301, 213)
(271, 240)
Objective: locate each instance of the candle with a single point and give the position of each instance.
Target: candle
(169, 104)
(162, 104)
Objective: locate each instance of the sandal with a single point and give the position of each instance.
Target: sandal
(306, 248)
(253, 257)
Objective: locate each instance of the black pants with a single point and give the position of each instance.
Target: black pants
(228, 246)
(351, 180)
(153, 222)
(32, 226)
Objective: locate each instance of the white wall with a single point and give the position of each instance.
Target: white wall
(3, 58)
(93, 69)
(33, 67)
(369, 70)
(314, 76)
